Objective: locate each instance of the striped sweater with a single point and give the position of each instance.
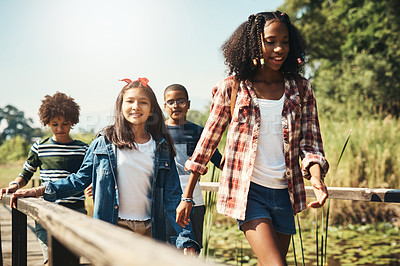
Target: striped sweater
(55, 161)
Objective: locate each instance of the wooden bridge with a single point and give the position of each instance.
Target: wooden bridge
(77, 239)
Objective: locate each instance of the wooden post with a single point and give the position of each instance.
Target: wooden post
(19, 238)
(59, 254)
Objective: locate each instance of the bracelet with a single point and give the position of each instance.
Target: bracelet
(14, 183)
(36, 190)
(188, 200)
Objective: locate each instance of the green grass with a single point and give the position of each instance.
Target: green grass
(371, 160)
(9, 171)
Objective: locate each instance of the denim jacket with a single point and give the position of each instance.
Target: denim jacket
(100, 168)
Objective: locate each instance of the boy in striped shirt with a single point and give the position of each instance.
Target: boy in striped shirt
(57, 156)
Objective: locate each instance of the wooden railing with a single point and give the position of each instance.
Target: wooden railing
(73, 235)
(343, 193)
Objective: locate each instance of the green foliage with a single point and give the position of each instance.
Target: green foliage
(349, 90)
(353, 54)
(14, 149)
(197, 117)
(85, 137)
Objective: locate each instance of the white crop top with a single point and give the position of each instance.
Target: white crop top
(269, 166)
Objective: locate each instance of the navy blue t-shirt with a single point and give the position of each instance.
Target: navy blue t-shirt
(185, 139)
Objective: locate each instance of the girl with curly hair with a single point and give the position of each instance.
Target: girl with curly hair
(273, 122)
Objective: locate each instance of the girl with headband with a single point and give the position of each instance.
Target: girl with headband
(138, 142)
(273, 122)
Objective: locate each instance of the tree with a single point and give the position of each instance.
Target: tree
(354, 53)
(14, 123)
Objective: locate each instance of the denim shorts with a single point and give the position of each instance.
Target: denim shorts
(273, 204)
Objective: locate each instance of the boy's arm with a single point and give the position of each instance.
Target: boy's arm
(13, 186)
(28, 170)
(31, 164)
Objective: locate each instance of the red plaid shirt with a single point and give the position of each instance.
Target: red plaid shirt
(301, 138)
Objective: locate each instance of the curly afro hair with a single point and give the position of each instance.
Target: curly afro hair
(244, 45)
(59, 105)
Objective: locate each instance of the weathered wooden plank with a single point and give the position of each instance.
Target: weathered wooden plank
(343, 193)
(99, 242)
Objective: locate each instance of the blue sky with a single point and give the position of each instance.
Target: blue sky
(84, 47)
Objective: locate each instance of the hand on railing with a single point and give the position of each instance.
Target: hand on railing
(89, 191)
(320, 191)
(8, 190)
(22, 193)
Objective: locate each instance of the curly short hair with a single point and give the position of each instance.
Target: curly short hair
(244, 45)
(59, 105)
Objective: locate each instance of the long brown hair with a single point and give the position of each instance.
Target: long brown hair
(121, 134)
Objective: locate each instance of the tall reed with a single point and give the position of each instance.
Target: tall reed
(210, 200)
(324, 230)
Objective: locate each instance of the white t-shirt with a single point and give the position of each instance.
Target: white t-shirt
(135, 172)
(269, 166)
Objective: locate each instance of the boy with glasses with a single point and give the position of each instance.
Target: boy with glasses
(185, 135)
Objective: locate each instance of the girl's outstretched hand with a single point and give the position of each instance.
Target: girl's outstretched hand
(22, 193)
(183, 212)
(320, 191)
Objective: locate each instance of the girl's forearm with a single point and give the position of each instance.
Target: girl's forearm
(39, 191)
(188, 193)
(315, 170)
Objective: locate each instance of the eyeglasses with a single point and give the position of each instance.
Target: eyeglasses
(180, 103)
